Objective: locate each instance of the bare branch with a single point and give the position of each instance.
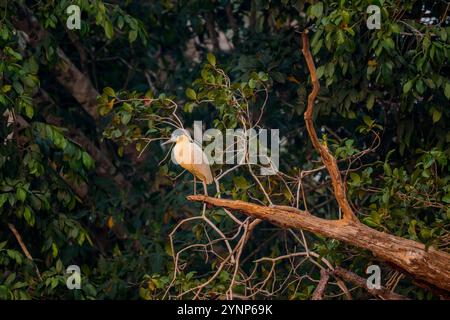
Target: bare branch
(383, 293)
(318, 293)
(23, 246)
(327, 158)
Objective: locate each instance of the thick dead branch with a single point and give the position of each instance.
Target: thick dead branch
(383, 292)
(429, 265)
(327, 158)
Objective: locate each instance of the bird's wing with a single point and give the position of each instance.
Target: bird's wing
(202, 169)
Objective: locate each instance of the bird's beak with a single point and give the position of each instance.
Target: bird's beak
(167, 142)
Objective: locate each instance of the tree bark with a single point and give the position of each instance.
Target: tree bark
(320, 289)
(327, 158)
(429, 265)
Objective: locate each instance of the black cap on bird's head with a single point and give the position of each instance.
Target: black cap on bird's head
(175, 136)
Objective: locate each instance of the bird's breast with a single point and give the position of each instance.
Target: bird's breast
(191, 157)
(183, 155)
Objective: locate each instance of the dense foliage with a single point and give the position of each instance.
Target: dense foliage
(95, 191)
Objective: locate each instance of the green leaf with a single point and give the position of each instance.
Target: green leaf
(6, 88)
(27, 215)
(125, 118)
(21, 194)
(387, 169)
(190, 275)
(436, 115)
(355, 178)
(370, 101)
(54, 250)
(117, 133)
(426, 42)
(420, 87)
(18, 87)
(425, 233)
(120, 22)
(54, 283)
(13, 254)
(443, 34)
(370, 222)
(368, 121)
(211, 59)
(340, 38)
(426, 173)
(240, 182)
(13, 53)
(132, 35)
(188, 107)
(345, 16)
(87, 160)
(320, 71)
(190, 93)
(29, 111)
(317, 10)
(89, 290)
(388, 43)
(109, 91)
(59, 266)
(3, 198)
(10, 279)
(395, 28)
(407, 86)
(109, 29)
(447, 90)
(429, 82)
(446, 198)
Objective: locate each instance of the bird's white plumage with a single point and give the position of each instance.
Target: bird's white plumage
(190, 156)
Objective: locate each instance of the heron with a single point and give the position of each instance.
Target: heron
(191, 157)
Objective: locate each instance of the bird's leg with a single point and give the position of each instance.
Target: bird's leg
(205, 188)
(195, 184)
(206, 194)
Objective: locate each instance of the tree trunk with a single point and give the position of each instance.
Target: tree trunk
(67, 74)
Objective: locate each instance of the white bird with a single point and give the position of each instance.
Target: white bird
(191, 157)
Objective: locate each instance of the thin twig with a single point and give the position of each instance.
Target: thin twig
(23, 246)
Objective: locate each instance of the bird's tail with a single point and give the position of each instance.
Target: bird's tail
(209, 178)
